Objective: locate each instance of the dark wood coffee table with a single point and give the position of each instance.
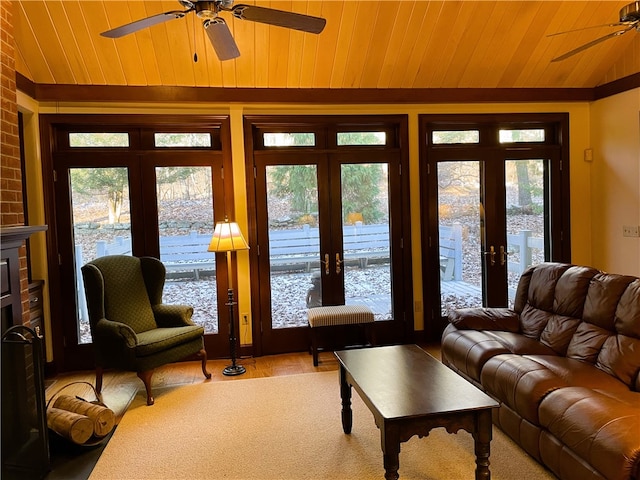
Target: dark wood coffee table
(409, 392)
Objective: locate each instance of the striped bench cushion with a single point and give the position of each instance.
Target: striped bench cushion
(339, 315)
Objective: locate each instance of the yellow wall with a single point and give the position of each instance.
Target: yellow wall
(615, 133)
(583, 222)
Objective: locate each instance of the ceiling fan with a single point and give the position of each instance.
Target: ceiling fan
(217, 29)
(629, 19)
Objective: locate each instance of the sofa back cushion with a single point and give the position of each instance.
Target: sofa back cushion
(620, 353)
(554, 302)
(584, 314)
(598, 320)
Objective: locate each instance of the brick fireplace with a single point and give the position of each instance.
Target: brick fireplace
(11, 195)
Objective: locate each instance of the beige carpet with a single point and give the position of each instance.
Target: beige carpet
(285, 428)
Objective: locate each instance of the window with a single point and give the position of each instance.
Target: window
(443, 137)
(519, 136)
(182, 139)
(291, 139)
(96, 139)
(362, 138)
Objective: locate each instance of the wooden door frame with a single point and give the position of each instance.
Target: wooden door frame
(52, 128)
(556, 140)
(394, 125)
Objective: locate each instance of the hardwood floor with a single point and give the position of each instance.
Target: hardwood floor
(119, 389)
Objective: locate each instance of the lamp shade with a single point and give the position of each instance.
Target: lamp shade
(227, 237)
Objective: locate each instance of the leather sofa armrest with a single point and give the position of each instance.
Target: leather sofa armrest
(173, 315)
(502, 319)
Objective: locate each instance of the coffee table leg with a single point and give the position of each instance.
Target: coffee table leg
(390, 451)
(391, 465)
(345, 395)
(482, 438)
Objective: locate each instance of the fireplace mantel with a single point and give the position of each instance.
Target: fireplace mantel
(11, 239)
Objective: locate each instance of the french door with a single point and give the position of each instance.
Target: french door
(495, 201)
(328, 228)
(137, 190)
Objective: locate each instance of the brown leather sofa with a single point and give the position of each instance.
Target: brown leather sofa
(564, 364)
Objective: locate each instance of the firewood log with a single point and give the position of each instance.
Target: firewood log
(70, 425)
(103, 418)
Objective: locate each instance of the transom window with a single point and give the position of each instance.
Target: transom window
(182, 139)
(522, 135)
(444, 137)
(99, 139)
(362, 138)
(289, 139)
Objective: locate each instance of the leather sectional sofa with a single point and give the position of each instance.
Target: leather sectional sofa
(564, 364)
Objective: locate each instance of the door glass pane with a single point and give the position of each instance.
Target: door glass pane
(101, 224)
(365, 236)
(294, 243)
(460, 219)
(526, 226)
(185, 224)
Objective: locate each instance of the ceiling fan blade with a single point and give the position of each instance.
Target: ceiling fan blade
(143, 23)
(617, 24)
(221, 39)
(592, 43)
(280, 18)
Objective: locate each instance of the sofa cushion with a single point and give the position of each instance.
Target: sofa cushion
(520, 344)
(601, 304)
(558, 332)
(581, 374)
(621, 356)
(533, 321)
(543, 285)
(520, 382)
(586, 342)
(523, 381)
(599, 427)
(466, 351)
(571, 290)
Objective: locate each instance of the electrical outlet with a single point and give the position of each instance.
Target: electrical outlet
(631, 231)
(245, 319)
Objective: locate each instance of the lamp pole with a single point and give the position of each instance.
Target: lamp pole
(228, 238)
(233, 369)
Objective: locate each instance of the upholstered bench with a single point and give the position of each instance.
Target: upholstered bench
(329, 318)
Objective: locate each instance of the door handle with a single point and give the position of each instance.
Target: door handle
(492, 255)
(325, 262)
(338, 264)
(503, 255)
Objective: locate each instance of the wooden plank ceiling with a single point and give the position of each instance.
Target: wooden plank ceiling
(366, 44)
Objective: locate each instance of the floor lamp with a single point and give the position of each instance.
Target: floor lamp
(228, 238)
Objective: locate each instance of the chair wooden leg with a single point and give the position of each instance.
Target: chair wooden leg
(202, 355)
(146, 379)
(99, 372)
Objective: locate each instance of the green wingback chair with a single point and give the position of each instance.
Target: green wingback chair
(130, 326)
